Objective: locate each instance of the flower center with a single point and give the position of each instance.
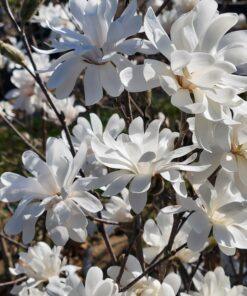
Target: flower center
(147, 288)
(184, 81)
(239, 150)
(219, 218)
(145, 168)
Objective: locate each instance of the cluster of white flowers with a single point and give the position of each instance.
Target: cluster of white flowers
(197, 62)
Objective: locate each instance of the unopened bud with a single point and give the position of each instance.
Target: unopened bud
(28, 9)
(12, 53)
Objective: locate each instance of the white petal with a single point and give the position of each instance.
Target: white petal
(118, 185)
(156, 33)
(64, 77)
(179, 60)
(59, 235)
(217, 29)
(173, 280)
(229, 163)
(88, 202)
(138, 201)
(183, 101)
(92, 85)
(110, 80)
(133, 79)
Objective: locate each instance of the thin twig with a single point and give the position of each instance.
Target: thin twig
(134, 238)
(152, 267)
(164, 4)
(168, 247)
(183, 130)
(37, 77)
(12, 241)
(136, 106)
(128, 106)
(101, 228)
(103, 221)
(7, 258)
(11, 283)
(139, 249)
(194, 270)
(23, 138)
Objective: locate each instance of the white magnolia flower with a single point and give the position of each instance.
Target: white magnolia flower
(220, 209)
(118, 209)
(157, 233)
(69, 109)
(226, 147)
(216, 283)
(138, 157)
(95, 285)
(96, 51)
(85, 130)
(200, 78)
(52, 189)
(146, 285)
(6, 109)
(55, 15)
(27, 94)
(40, 264)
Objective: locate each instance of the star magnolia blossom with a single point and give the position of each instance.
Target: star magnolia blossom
(118, 209)
(220, 209)
(227, 147)
(85, 130)
(55, 15)
(157, 233)
(68, 108)
(147, 285)
(51, 190)
(96, 50)
(40, 264)
(95, 285)
(200, 77)
(138, 157)
(6, 109)
(27, 94)
(216, 283)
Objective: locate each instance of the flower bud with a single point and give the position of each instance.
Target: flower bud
(28, 9)
(12, 53)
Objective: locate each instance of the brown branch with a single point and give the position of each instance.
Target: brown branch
(37, 77)
(7, 259)
(12, 241)
(101, 228)
(134, 238)
(168, 247)
(11, 283)
(194, 270)
(183, 129)
(136, 106)
(103, 221)
(164, 4)
(152, 267)
(138, 230)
